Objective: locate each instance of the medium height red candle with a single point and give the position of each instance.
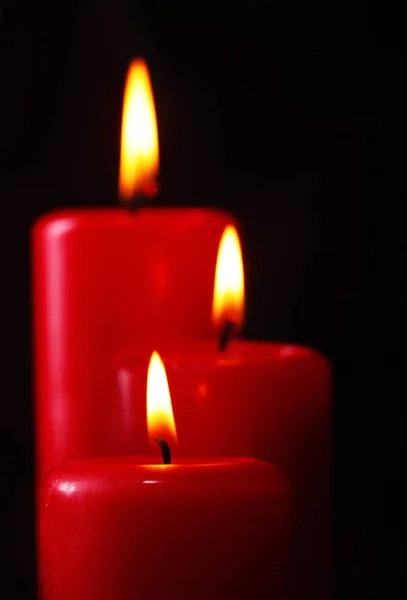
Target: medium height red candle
(127, 528)
(273, 400)
(105, 279)
(270, 401)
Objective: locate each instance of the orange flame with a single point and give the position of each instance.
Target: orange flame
(139, 157)
(160, 417)
(228, 294)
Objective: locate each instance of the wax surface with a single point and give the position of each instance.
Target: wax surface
(117, 528)
(102, 280)
(272, 401)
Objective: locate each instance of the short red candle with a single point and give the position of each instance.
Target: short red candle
(272, 401)
(126, 530)
(102, 280)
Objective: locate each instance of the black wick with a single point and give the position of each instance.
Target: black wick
(143, 196)
(138, 201)
(165, 450)
(225, 335)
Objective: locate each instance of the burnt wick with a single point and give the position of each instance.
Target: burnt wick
(225, 335)
(143, 196)
(138, 201)
(165, 450)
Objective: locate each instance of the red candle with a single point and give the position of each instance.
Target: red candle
(105, 279)
(130, 528)
(273, 400)
(270, 401)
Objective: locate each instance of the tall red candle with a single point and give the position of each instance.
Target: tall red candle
(128, 528)
(104, 279)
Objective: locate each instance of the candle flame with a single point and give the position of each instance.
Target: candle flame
(160, 417)
(139, 157)
(228, 294)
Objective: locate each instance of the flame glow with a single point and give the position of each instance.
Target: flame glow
(160, 417)
(139, 155)
(228, 294)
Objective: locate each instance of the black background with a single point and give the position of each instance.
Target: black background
(292, 117)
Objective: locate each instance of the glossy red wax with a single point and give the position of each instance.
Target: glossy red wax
(104, 279)
(271, 401)
(124, 530)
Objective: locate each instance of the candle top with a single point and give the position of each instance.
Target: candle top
(187, 463)
(116, 216)
(205, 354)
(220, 476)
